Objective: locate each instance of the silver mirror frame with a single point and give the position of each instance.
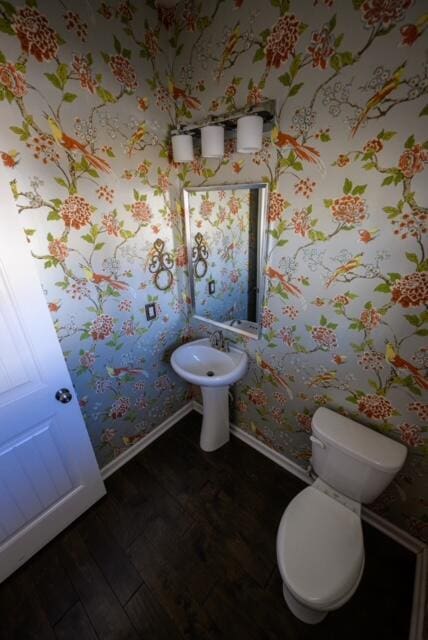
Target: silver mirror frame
(262, 248)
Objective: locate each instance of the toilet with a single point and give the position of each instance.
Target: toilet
(320, 546)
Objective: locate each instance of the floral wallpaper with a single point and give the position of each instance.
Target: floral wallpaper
(89, 92)
(222, 218)
(344, 322)
(83, 145)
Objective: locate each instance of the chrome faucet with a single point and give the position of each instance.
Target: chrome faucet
(218, 341)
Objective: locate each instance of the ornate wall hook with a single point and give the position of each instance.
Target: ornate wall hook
(161, 265)
(200, 255)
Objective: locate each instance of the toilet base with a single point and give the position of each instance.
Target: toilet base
(305, 614)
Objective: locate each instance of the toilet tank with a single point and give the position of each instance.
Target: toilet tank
(355, 460)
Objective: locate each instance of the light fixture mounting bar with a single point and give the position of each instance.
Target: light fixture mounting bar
(266, 110)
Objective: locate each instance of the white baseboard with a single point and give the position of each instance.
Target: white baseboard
(128, 454)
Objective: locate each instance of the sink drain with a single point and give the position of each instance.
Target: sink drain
(210, 373)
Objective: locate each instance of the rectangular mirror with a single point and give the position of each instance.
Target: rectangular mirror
(226, 245)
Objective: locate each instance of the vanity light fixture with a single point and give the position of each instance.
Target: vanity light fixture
(182, 147)
(250, 134)
(250, 123)
(212, 141)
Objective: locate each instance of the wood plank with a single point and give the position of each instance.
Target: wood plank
(22, 616)
(75, 625)
(235, 528)
(116, 566)
(107, 616)
(171, 591)
(149, 618)
(54, 588)
(135, 499)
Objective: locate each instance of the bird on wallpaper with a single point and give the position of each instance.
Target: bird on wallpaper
(179, 94)
(273, 274)
(352, 264)
(231, 43)
(71, 144)
(136, 137)
(390, 85)
(120, 372)
(99, 278)
(274, 373)
(302, 151)
(398, 362)
(323, 379)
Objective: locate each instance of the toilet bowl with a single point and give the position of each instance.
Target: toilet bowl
(320, 546)
(320, 552)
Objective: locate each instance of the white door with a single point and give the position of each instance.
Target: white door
(48, 471)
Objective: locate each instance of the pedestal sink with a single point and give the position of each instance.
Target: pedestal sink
(200, 363)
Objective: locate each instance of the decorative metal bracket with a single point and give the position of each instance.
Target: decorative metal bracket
(161, 263)
(200, 255)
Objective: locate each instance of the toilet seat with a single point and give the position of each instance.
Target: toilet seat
(320, 549)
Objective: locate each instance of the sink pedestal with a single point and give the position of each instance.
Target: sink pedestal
(215, 423)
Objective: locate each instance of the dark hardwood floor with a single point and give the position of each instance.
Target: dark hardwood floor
(183, 546)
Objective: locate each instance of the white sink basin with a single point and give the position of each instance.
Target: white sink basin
(200, 363)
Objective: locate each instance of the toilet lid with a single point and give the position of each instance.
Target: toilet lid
(320, 548)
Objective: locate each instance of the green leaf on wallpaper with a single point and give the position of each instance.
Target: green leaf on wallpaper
(422, 332)
(412, 257)
(285, 79)
(281, 243)
(317, 235)
(126, 234)
(2, 57)
(54, 80)
(259, 55)
(392, 212)
(410, 142)
(383, 287)
(359, 189)
(61, 182)
(386, 135)
(335, 62)
(53, 215)
(351, 399)
(424, 111)
(69, 97)
(338, 41)
(62, 72)
(295, 65)
(8, 7)
(105, 95)
(347, 186)
(325, 137)
(414, 320)
(99, 246)
(295, 89)
(332, 23)
(323, 321)
(393, 276)
(126, 53)
(328, 202)
(29, 232)
(117, 45)
(6, 28)
(388, 180)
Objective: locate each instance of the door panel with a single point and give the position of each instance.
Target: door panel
(48, 471)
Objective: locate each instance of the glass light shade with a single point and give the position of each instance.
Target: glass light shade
(182, 148)
(250, 134)
(212, 141)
